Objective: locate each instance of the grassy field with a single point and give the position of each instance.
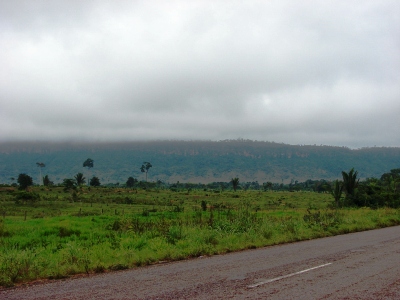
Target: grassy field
(56, 234)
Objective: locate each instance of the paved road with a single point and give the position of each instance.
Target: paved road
(363, 265)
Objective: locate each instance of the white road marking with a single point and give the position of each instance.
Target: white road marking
(286, 276)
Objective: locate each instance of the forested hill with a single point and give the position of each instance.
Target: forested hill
(194, 161)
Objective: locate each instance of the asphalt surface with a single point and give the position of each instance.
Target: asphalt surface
(363, 265)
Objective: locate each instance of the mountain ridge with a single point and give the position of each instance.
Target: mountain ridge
(193, 161)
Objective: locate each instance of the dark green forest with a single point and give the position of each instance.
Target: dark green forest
(193, 161)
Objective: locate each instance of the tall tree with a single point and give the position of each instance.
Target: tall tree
(235, 183)
(24, 181)
(145, 168)
(40, 166)
(79, 179)
(88, 163)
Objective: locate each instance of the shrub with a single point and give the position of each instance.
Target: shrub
(26, 196)
(15, 265)
(66, 232)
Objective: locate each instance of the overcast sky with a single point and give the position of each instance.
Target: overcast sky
(296, 72)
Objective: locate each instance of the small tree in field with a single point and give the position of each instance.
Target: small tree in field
(337, 192)
(24, 181)
(69, 184)
(235, 183)
(47, 181)
(95, 181)
(131, 182)
(79, 179)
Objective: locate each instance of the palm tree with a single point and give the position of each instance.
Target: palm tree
(350, 182)
(235, 183)
(337, 192)
(79, 179)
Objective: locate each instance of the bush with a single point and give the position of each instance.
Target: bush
(15, 265)
(66, 232)
(323, 220)
(26, 196)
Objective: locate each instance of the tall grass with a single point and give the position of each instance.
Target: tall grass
(109, 230)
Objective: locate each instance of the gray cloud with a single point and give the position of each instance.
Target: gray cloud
(308, 72)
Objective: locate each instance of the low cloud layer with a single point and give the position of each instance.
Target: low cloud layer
(308, 72)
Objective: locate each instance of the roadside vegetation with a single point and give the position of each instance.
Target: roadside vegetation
(51, 232)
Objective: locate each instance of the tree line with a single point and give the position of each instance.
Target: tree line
(347, 191)
(24, 180)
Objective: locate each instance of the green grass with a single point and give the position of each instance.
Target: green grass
(101, 230)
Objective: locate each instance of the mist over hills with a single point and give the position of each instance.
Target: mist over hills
(193, 161)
